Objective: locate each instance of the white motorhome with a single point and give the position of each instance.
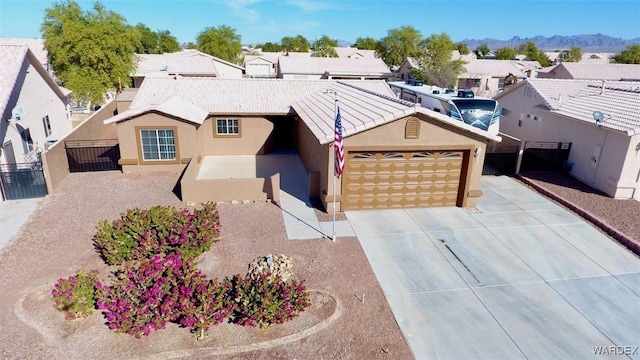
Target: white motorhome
(462, 105)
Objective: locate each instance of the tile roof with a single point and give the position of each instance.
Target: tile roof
(578, 99)
(35, 45)
(11, 59)
(239, 96)
(174, 106)
(596, 71)
(493, 68)
(174, 63)
(361, 110)
(320, 65)
(351, 52)
(364, 103)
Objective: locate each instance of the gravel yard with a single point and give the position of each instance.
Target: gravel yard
(57, 240)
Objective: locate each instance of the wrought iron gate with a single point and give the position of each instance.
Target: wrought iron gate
(92, 155)
(22, 181)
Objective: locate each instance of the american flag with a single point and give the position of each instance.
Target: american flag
(339, 147)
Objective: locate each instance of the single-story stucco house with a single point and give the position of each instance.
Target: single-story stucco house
(601, 120)
(397, 153)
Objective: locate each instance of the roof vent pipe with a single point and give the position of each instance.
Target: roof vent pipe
(602, 90)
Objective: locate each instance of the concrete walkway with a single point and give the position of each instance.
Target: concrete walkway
(299, 217)
(521, 277)
(13, 214)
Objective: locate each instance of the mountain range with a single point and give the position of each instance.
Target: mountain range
(590, 43)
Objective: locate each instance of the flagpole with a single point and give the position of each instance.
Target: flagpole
(335, 114)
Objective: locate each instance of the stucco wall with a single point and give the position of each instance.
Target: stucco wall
(616, 170)
(316, 159)
(36, 97)
(55, 162)
(130, 156)
(253, 140)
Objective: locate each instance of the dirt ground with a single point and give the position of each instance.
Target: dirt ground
(57, 240)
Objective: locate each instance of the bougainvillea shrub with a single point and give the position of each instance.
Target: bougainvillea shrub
(141, 234)
(75, 295)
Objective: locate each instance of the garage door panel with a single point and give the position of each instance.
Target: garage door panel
(375, 180)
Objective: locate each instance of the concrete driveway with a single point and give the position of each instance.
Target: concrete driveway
(520, 278)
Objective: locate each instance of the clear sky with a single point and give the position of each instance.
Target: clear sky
(259, 21)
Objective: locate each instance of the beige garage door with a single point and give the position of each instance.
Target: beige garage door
(401, 179)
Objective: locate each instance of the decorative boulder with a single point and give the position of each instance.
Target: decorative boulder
(272, 265)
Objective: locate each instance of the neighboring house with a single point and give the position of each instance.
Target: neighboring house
(313, 68)
(33, 108)
(587, 58)
(487, 77)
(261, 65)
(397, 154)
(355, 53)
(605, 154)
(587, 71)
(184, 63)
(35, 45)
(403, 72)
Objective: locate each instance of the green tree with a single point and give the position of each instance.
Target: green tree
(572, 55)
(270, 47)
(155, 42)
(325, 47)
(167, 43)
(298, 43)
(505, 53)
(190, 45)
(92, 51)
(222, 42)
(482, 50)
(630, 55)
(399, 44)
(531, 51)
(463, 49)
(367, 43)
(436, 65)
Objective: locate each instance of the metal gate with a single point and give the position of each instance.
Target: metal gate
(500, 160)
(22, 181)
(545, 156)
(92, 155)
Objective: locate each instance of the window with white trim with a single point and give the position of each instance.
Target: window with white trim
(158, 144)
(227, 127)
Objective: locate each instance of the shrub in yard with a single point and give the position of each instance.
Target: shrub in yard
(140, 234)
(266, 300)
(160, 290)
(141, 300)
(75, 295)
(202, 303)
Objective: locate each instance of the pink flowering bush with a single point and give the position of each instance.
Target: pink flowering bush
(158, 281)
(75, 295)
(267, 300)
(141, 234)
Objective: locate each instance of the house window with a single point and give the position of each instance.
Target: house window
(27, 141)
(227, 127)
(158, 144)
(505, 111)
(47, 126)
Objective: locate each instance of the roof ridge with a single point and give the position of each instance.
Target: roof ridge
(386, 97)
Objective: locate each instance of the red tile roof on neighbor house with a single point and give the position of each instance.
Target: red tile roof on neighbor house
(619, 101)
